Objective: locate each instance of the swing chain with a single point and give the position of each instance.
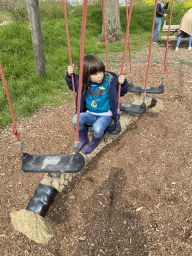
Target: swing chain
(144, 96)
(118, 113)
(163, 76)
(20, 144)
(76, 146)
(131, 78)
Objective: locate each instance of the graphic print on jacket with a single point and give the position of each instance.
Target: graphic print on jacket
(97, 99)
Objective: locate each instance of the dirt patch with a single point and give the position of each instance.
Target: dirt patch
(134, 197)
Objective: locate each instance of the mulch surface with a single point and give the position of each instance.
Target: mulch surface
(134, 197)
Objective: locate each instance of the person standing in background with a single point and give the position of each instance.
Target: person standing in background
(185, 29)
(158, 20)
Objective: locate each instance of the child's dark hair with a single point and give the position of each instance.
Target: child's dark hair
(91, 65)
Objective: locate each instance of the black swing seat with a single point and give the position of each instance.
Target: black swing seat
(133, 108)
(71, 163)
(155, 90)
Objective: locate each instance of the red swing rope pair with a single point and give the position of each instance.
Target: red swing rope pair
(125, 46)
(151, 41)
(83, 29)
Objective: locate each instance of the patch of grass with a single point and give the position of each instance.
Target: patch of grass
(140, 23)
(50, 10)
(19, 14)
(4, 16)
(182, 62)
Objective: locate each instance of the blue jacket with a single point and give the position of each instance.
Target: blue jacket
(113, 94)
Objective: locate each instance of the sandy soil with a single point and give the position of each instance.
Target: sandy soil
(134, 197)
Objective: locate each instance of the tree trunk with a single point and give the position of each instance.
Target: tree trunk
(37, 37)
(112, 21)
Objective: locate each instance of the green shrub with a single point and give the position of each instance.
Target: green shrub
(20, 13)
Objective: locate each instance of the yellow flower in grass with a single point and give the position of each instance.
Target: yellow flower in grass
(187, 5)
(150, 2)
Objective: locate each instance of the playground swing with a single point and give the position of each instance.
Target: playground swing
(141, 109)
(138, 89)
(53, 164)
(69, 163)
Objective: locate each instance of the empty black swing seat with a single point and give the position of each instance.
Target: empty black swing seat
(155, 90)
(133, 108)
(71, 163)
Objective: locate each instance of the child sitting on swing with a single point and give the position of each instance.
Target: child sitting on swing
(99, 99)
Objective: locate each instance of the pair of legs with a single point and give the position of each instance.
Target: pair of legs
(180, 36)
(99, 123)
(157, 28)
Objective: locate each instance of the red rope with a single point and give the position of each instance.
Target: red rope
(128, 21)
(147, 74)
(105, 34)
(83, 29)
(165, 66)
(124, 53)
(69, 48)
(14, 128)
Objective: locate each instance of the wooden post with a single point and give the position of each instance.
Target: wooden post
(37, 37)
